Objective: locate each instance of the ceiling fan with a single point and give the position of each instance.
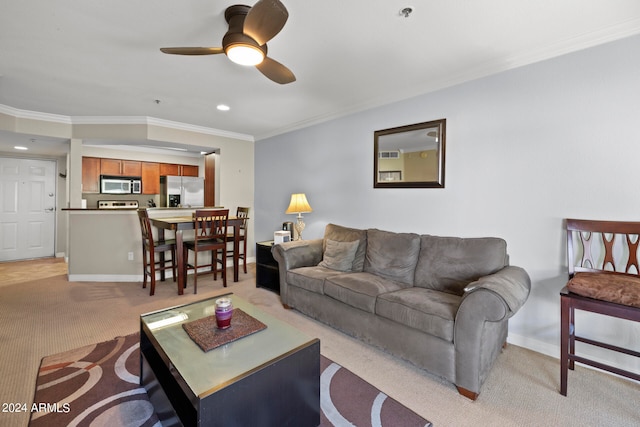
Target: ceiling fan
(245, 42)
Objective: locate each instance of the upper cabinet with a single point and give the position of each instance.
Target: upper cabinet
(172, 169)
(188, 170)
(169, 169)
(150, 172)
(150, 178)
(90, 175)
(120, 167)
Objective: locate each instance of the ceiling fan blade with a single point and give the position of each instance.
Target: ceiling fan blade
(264, 20)
(275, 71)
(192, 50)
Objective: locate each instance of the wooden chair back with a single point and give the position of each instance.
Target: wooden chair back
(211, 224)
(243, 212)
(145, 227)
(597, 246)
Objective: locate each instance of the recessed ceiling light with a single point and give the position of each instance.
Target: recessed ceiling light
(18, 147)
(223, 107)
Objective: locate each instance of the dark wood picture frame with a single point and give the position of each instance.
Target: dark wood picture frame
(417, 151)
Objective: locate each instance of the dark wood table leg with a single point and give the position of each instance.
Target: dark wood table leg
(162, 259)
(182, 271)
(236, 252)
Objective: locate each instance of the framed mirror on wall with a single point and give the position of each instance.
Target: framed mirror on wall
(410, 156)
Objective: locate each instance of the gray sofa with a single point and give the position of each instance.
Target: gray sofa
(442, 303)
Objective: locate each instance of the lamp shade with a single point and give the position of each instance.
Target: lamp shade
(298, 204)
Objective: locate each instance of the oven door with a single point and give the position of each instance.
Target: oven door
(115, 186)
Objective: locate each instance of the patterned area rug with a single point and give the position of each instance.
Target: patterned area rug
(98, 385)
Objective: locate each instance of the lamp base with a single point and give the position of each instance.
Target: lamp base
(299, 226)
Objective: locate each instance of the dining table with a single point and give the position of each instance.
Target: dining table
(178, 225)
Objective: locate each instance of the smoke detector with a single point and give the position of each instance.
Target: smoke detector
(406, 11)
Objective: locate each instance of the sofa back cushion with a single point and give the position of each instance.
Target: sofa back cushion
(338, 233)
(450, 263)
(392, 255)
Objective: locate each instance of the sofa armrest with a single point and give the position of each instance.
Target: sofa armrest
(478, 335)
(290, 255)
(512, 284)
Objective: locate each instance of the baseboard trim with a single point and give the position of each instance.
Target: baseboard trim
(534, 345)
(105, 278)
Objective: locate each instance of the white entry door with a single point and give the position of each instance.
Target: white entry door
(27, 208)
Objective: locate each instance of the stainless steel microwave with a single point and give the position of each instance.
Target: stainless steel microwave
(120, 185)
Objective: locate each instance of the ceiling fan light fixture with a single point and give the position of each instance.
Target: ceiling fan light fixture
(245, 54)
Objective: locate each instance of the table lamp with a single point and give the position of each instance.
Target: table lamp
(299, 205)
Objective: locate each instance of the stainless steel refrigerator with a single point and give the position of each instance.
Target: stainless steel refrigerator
(182, 191)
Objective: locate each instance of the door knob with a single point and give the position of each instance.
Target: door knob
(50, 209)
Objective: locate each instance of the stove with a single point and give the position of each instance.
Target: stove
(117, 204)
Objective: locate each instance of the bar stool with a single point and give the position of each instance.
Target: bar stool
(150, 248)
(603, 280)
(241, 212)
(210, 236)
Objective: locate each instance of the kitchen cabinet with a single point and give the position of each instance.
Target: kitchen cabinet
(90, 175)
(188, 170)
(169, 169)
(174, 169)
(150, 172)
(117, 167)
(150, 178)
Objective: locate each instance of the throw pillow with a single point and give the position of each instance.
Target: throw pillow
(346, 234)
(339, 255)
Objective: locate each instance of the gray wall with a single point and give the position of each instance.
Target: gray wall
(525, 149)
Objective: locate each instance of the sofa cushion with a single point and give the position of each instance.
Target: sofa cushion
(359, 290)
(310, 278)
(339, 233)
(339, 255)
(392, 255)
(432, 312)
(450, 263)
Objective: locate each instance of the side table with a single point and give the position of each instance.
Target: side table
(267, 275)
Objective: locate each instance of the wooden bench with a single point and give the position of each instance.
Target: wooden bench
(604, 278)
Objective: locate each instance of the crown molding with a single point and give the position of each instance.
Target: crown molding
(199, 129)
(34, 115)
(120, 120)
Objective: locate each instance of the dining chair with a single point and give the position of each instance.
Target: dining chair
(151, 248)
(210, 235)
(241, 212)
(604, 278)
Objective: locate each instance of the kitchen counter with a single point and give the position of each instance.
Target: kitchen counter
(156, 209)
(105, 245)
(96, 209)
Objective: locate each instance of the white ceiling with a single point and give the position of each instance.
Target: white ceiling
(101, 58)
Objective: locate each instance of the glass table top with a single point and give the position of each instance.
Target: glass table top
(204, 373)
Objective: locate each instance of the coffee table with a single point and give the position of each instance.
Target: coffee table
(269, 378)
